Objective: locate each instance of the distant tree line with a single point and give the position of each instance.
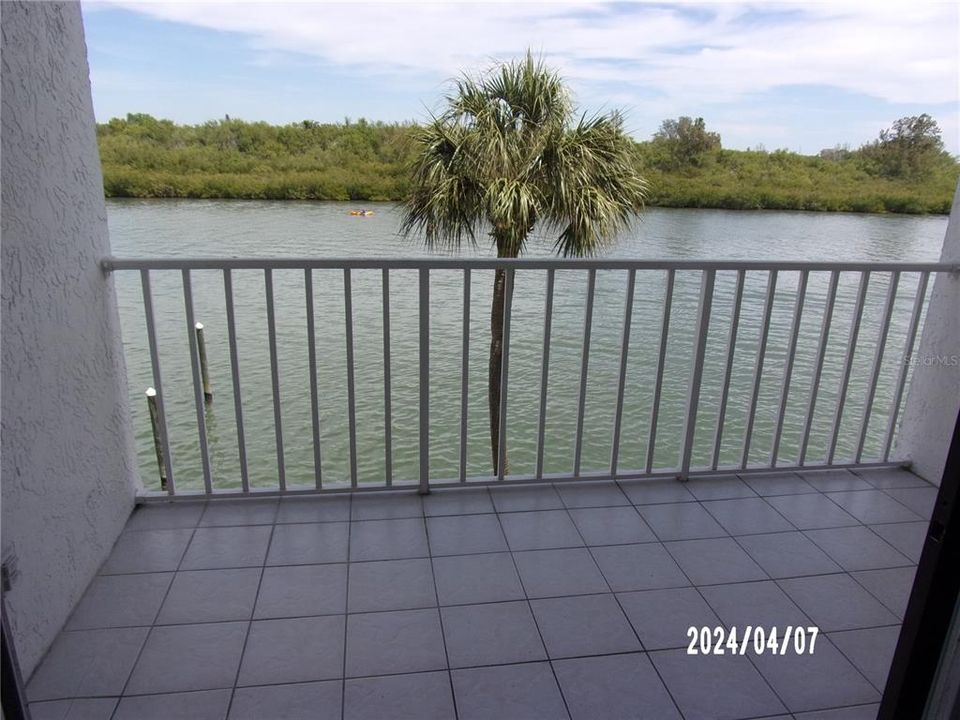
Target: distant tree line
(146, 157)
(906, 169)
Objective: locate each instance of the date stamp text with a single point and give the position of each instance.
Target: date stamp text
(758, 640)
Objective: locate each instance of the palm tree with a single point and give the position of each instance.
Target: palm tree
(507, 153)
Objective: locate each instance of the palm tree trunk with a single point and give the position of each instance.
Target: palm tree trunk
(496, 362)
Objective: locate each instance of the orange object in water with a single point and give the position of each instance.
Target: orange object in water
(362, 213)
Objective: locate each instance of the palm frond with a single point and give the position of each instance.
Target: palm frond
(507, 152)
(597, 189)
(444, 205)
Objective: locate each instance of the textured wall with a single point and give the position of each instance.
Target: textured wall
(67, 452)
(933, 399)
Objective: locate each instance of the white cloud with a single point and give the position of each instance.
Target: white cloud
(897, 53)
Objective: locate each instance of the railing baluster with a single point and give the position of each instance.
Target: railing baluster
(157, 381)
(905, 361)
(314, 393)
(351, 382)
(387, 401)
(275, 378)
(424, 277)
(788, 364)
(818, 366)
(235, 372)
(197, 386)
(584, 366)
(728, 368)
(696, 375)
(661, 359)
(622, 377)
(848, 364)
(877, 361)
(504, 373)
(464, 375)
(787, 391)
(544, 371)
(758, 368)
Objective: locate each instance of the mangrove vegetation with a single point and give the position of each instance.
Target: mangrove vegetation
(905, 170)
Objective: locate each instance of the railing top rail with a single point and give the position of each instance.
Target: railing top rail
(448, 263)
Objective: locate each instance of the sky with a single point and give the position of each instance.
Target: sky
(800, 76)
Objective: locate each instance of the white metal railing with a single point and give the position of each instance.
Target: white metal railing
(695, 387)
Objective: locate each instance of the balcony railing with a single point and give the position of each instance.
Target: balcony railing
(794, 312)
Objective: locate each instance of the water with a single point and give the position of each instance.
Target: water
(266, 229)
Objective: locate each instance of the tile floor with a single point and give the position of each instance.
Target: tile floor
(511, 603)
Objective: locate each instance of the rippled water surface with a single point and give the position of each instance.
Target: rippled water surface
(266, 229)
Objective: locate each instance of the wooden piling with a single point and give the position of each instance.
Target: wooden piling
(204, 373)
(157, 445)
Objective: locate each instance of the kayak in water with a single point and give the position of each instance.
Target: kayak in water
(362, 213)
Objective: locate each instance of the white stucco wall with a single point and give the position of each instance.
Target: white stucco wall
(933, 399)
(67, 451)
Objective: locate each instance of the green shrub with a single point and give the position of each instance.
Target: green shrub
(144, 157)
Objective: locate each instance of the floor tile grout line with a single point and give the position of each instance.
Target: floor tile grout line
(842, 707)
(765, 503)
(443, 633)
(606, 484)
(612, 507)
(882, 538)
(754, 663)
(717, 614)
(839, 571)
(708, 537)
(745, 477)
(403, 673)
(623, 612)
(726, 624)
(427, 672)
(874, 527)
(828, 493)
(238, 503)
(827, 638)
(895, 612)
(511, 663)
(837, 561)
(694, 498)
(116, 699)
(925, 483)
(855, 523)
(785, 518)
(899, 622)
(473, 604)
(346, 618)
(708, 481)
(767, 572)
(66, 629)
(253, 612)
(149, 634)
(883, 491)
(734, 582)
(635, 505)
(886, 470)
(857, 520)
(139, 508)
(67, 625)
(526, 595)
(926, 521)
(854, 664)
